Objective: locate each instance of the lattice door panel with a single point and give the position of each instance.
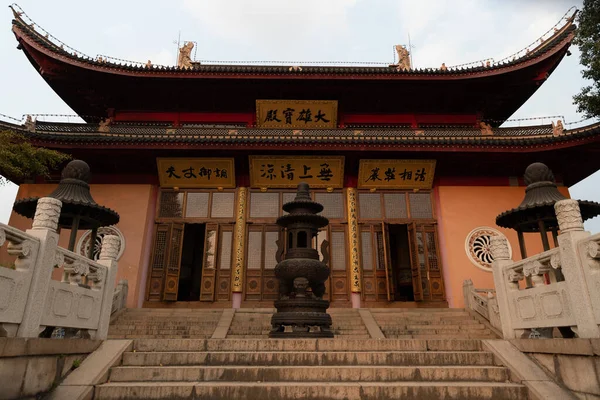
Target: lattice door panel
(224, 263)
(339, 271)
(209, 264)
(158, 262)
(175, 245)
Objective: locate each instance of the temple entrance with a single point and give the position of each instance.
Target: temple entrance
(192, 254)
(401, 284)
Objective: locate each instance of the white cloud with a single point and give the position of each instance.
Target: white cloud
(282, 29)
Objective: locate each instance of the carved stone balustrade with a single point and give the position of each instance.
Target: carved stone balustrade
(30, 300)
(572, 302)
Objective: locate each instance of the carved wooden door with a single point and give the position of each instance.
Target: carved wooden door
(158, 261)
(173, 262)
(209, 265)
(415, 262)
(387, 258)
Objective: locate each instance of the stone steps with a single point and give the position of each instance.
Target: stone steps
(249, 324)
(164, 323)
(312, 374)
(310, 390)
(351, 366)
(296, 358)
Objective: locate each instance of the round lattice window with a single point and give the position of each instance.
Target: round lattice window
(477, 247)
(83, 246)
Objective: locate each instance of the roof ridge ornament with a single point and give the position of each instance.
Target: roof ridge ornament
(403, 58)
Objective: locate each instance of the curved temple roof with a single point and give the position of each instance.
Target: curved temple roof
(96, 87)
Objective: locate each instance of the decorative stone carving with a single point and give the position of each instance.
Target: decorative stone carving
(403, 58)
(533, 268)
(47, 213)
(499, 248)
(515, 276)
(568, 215)
(59, 259)
(555, 261)
(185, 55)
(478, 247)
(443, 67)
(486, 129)
(149, 64)
(110, 247)
(84, 243)
(557, 129)
(593, 250)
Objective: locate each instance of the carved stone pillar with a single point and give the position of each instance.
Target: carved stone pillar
(573, 268)
(106, 282)
(568, 215)
(47, 213)
(239, 242)
(354, 241)
(500, 252)
(44, 228)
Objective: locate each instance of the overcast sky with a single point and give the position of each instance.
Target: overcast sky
(453, 32)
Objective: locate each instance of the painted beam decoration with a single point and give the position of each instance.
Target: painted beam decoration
(296, 114)
(196, 172)
(289, 171)
(396, 174)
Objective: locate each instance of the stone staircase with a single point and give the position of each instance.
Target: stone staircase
(430, 323)
(166, 323)
(308, 369)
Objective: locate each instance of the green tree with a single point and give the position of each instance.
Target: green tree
(20, 160)
(588, 40)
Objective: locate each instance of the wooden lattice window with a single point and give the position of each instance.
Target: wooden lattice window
(420, 205)
(171, 205)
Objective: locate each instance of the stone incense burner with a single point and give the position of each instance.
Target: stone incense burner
(301, 310)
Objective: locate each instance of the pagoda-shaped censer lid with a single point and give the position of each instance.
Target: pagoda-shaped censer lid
(77, 202)
(538, 205)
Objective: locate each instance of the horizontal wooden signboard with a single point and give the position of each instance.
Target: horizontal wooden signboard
(287, 172)
(196, 172)
(296, 114)
(396, 174)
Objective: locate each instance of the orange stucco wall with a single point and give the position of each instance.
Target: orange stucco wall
(463, 208)
(134, 205)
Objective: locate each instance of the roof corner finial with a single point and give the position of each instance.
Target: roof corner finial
(16, 14)
(443, 67)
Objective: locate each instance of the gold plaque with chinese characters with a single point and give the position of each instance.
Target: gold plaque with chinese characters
(196, 172)
(296, 114)
(288, 172)
(396, 174)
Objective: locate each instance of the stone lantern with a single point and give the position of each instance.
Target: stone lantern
(302, 312)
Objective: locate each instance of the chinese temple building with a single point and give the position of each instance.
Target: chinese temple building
(410, 165)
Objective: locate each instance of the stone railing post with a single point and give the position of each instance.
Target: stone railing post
(499, 248)
(467, 289)
(124, 288)
(108, 258)
(571, 233)
(45, 224)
